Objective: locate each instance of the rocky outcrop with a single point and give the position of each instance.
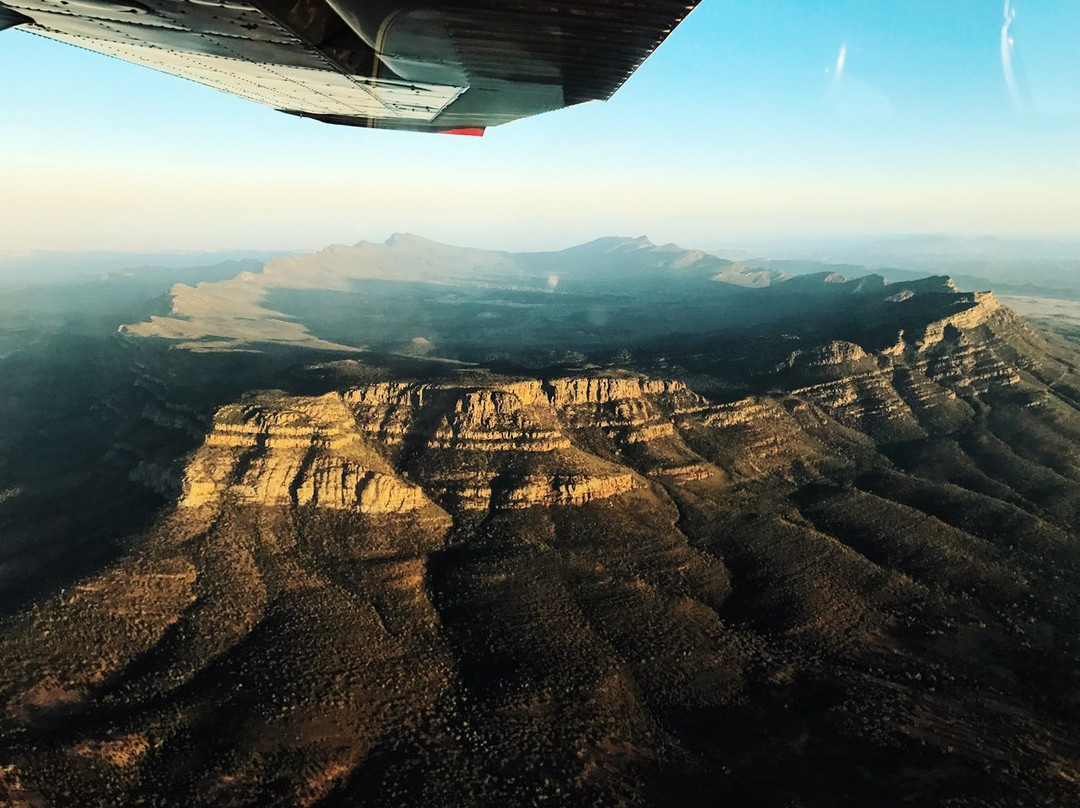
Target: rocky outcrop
(573, 391)
(836, 352)
(493, 418)
(626, 409)
(468, 444)
(546, 490)
(395, 447)
(919, 384)
(294, 451)
(336, 483)
(979, 307)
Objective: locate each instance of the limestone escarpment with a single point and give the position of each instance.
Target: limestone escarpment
(835, 352)
(500, 444)
(394, 447)
(486, 442)
(602, 390)
(977, 355)
(281, 451)
(636, 419)
(636, 409)
(514, 416)
(979, 309)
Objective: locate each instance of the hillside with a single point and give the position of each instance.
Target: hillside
(822, 553)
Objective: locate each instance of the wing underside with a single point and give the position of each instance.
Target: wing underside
(443, 66)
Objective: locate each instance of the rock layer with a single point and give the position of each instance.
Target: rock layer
(392, 447)
(294, 451)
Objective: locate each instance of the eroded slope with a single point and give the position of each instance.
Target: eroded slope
(857, 583)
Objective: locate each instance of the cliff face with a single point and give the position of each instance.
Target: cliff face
(502, 418)
(294, 451)
(977, 309)
(500, 445)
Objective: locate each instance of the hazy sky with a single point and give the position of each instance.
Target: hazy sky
(757, 118)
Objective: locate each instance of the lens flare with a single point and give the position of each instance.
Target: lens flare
(1007, 46)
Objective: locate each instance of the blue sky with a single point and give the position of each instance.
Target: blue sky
(737, 129)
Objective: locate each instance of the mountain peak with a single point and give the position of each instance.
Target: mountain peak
(614, 244)
(641, 243)
(411, 240)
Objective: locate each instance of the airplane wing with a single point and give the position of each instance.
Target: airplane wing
(430, 65)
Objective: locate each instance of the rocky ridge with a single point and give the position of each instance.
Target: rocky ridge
(514, 443)
(463, 445)
(300, 451)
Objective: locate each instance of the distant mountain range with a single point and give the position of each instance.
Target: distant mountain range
(1011, 266)
(21, 269)
(611, 291)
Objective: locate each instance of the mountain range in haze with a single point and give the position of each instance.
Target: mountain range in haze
(973, 261)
